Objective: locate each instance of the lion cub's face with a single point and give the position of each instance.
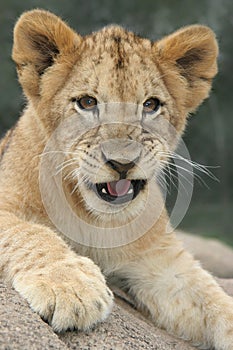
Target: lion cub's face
(119, 97)
(122, 101)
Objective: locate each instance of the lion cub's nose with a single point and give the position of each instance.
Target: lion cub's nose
(121, 168)
(121, 155)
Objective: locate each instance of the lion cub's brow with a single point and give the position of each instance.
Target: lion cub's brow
(118, 42)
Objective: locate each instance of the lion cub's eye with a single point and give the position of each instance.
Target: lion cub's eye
(151, 105)
(87, 102)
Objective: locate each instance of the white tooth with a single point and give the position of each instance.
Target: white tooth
(103, 190)
(130, 190)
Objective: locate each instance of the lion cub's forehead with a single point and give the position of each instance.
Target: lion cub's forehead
(117, 42)
(115, 64)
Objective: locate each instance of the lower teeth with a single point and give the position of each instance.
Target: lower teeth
(129, 191)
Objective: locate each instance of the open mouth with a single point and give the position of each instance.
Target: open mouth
(118, 192)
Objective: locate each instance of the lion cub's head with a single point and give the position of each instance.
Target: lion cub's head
(127, 99)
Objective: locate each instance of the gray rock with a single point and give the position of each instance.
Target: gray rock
(22, 329)
(126, 328)
(215, 256)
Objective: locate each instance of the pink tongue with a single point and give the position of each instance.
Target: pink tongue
(118, 188)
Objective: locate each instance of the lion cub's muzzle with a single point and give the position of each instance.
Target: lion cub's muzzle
(121, 156)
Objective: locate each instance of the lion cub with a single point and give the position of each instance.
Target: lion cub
(79, 198)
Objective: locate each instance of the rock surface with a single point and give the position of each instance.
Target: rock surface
(22, 329)
(215, 256)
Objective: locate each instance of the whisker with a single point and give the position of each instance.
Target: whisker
(167, 172)
(173, 167)
(61, 152)
(195, 175)
(170, 174)
(175, 176)
(161, 180)
(66, 164)
(75, 188)
(200, 167)
(72, 174)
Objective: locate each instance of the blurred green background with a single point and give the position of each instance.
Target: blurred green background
(209, 134)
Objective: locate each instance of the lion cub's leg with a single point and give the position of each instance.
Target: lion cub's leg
(67, 290)
(180, 296)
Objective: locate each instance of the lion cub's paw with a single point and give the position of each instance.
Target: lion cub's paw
(67, 295)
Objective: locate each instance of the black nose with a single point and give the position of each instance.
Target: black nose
(121, 168)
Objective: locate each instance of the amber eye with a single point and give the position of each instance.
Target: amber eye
(87, 102)
(151, 105)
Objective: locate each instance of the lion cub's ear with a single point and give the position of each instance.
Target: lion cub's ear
(193, 52)
(40, 38)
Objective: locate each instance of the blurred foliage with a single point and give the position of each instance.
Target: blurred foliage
(209, 135)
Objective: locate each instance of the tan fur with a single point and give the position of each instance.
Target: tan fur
(56, 65)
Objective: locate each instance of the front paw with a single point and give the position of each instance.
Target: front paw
(70, 295)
